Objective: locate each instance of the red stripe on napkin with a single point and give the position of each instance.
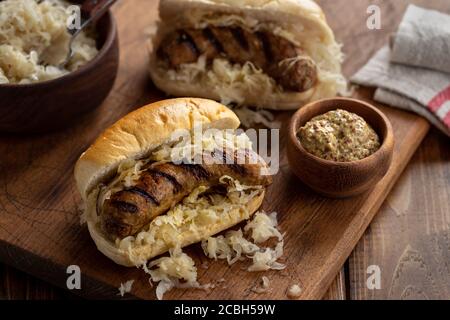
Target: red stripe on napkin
(439, 100)
(447, 120)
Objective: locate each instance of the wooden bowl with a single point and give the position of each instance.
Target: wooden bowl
(54, 104)
(340, 179)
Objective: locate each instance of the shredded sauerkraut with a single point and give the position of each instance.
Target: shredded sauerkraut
(189, 146)
(168, 271)
(125, 287)
(267, 259)
(34, 40)
(263, 227)
(128, 173)
(233, 246)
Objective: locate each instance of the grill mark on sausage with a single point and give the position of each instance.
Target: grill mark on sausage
(239, 169)
(266, 45)
(196, 170)
(168, 177)
(212, 38)
(117, 226)
(187, 39)
(238, 34)
(125, 206)
(147, 196)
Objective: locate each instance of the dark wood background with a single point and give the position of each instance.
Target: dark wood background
(409, 238)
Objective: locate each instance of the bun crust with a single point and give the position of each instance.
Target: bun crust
(305, 22)
(282, 11)
(141, 131)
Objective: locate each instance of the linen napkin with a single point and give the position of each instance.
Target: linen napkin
(412, 75)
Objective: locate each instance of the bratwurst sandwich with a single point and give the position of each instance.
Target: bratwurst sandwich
(270, 54)
(150, 183)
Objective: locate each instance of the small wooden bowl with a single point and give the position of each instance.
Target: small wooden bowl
(54, 104)
(340, 179)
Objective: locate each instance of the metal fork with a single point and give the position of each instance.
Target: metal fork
(91, 11)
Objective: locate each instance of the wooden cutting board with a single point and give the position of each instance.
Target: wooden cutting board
(40, 230)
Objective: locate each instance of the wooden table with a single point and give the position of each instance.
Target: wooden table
(409, 240)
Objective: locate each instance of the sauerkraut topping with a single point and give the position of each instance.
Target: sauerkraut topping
(189, 147)
(34, 40)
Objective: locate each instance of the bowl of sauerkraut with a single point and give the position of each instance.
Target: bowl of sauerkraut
(37, 94)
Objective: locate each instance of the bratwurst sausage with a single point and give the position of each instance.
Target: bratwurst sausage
(264, 49)
(162, 185)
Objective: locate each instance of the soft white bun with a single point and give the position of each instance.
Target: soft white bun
(301, 21)
(134, 137)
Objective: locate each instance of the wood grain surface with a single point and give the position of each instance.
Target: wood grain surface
(410, 240)
(39, 216)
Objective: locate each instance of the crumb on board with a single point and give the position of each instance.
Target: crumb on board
(294, 291)
(125, 287)
(263, 286)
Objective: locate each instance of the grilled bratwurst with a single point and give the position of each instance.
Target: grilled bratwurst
(264, 49)
(162, 185)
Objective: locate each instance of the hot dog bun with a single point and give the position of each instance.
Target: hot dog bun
(300, 21)
(134, 137)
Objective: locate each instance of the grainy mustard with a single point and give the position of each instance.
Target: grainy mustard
(339, 135)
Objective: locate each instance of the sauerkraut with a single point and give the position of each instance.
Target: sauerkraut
(234, 246)
(125, 287)
(34, 40)
(188, 147)
(263, 227)
(267, 259)
(168, 271)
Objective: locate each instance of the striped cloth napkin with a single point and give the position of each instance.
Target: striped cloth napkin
(414, 72)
